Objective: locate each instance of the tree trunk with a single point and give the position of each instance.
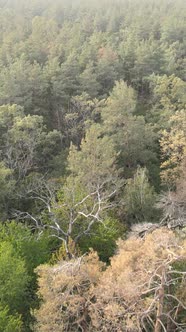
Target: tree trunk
(170, 324)
(160, 305)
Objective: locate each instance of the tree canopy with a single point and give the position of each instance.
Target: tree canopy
(92, 149)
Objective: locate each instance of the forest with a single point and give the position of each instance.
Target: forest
(92, 165)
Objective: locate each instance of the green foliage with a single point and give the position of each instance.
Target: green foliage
(44, 32)
(14, 279)
(34, 249)
(139, 198)
(6, 188)
(22, 83)
(92, 95)
(87, 193)
(94, 164)
(9, 323)
(173, 148)
(168, 97)
(134, 139)
(107, 69)
(149, 60)
(138, 144)
(82, 111)
(119, 106)
(22, 139)
(89, 81)
(20, 253)
(103, 238)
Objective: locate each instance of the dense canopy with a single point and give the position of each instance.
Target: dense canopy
(92, 149)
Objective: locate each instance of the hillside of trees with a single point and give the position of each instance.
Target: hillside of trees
(92, 165)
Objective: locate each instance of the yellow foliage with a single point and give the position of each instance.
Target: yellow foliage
(131, 283)
(61, 253)
(65, 289)
(82, 295)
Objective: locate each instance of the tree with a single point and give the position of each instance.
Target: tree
(140, 198)
(22, 250)
(33, 248)
(76, 277)
(173, 29)
(90, 48)
(107, 69)
(142, 290)
(173, 203)
(120, 104)
(22, 83)
(89, 82)
(7, 185)
(9, 323)
(61, 85)
(90, 188)
(103, 238)
(135, 141)
(174, 59)
(127, 53)
(43, 35)
(168, 97)
(173, 148)
(24, 140)
(138, 145)
(149, 60)
(14, 280)
(82, 110)
(86, 195)
(67, 84)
